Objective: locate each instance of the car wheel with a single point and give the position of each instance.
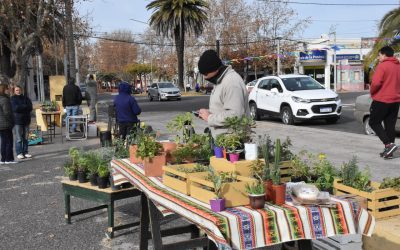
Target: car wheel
(253, 111)
(367, 129)
(332, 120)
(150, 97)
(287, 116)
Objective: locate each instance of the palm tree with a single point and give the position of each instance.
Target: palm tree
(388, 30)
(175, 18)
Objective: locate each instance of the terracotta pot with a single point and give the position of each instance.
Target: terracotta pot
(268, 190)
(217, 205)
(233, 157)
(279, 194)
(224, 153)
(168, 148)
(153, 167)
(132, 155)
(257, 201)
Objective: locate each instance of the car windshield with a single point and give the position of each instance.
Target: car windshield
(301, 83)
(164, 85)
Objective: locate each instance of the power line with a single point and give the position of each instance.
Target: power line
(338, 4)
(344, 21)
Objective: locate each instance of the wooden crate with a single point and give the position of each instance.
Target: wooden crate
(234, 193)
(381, 203)
(176, 179)
(242, 167)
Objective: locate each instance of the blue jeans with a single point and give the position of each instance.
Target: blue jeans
(6, 137)
(72, 111)
(21, 139)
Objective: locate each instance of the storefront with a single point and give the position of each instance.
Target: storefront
(350, 72)
(313, 63)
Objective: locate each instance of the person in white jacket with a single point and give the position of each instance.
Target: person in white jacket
(229, 97)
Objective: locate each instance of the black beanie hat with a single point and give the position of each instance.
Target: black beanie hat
(209, 61)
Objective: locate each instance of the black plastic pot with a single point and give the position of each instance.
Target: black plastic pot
(105, 138)
(93, 179)
(82, 176)
(299, 179)
(73, 177)
(102, 182)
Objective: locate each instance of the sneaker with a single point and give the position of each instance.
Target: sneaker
(20, 156)
(389, 149)
(28, 156)
(10, 162)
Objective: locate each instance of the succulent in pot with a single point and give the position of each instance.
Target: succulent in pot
(233, 146)
(256, 193)
(279, 189)
(104, 172)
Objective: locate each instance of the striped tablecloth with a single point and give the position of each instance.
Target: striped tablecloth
(246, 228)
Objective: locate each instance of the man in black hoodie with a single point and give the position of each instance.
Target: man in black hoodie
(71, 100)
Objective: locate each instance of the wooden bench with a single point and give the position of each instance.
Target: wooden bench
(105, 196)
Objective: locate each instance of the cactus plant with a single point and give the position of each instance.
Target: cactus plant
(276, 172)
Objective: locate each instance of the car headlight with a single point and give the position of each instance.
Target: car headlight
(337, 99)
(298, 99)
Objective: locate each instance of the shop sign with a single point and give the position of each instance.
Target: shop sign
(350, 57)
(314, 55)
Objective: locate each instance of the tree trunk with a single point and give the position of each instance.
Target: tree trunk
(179, 43)
(70, 38)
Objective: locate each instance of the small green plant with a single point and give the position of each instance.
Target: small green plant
(391, 183)
(217, 182)
(232, 143)
(183, 153)
(82, 162)
(69, 168)
(148, 147)
(300, 166)
(276, 170)
(241, 126)
(286, 154)
(74, 154)
(121, 148)
(103, 170)
(220, 140)
(351, 176)
(255, 188)
(93, 161)
(180, 125)
(265, 149)
(198, 168)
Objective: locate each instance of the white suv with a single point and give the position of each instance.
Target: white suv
(294, 98)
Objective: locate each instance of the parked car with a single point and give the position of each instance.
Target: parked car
(250, 85)
(163, 91)
(294, 98)
(82, 86)
(361, 113)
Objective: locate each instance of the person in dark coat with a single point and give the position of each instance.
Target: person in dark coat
(6, 125)
(22, 108)
(71, 100)
(126, 109)
(91, 91)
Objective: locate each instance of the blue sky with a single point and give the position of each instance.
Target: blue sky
(109, 15)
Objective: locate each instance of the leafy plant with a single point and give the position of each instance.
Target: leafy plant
(82, 162)
(121, 149)
(255, 188)
(74, 154)
(266, 149)
(183, 153)
(202, 147)
(93, 161)
(217, 182)
(300, 166)
(276, 170)
(69, 168)
(286, 154)
(103, 170)
(232, 143)
(391, 183)
(136, 133)
(180, 125)
(241, 126)
(220, 140)
(148, 147)
(351, 176)
(198, 168)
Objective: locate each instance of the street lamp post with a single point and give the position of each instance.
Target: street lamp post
(278, 59)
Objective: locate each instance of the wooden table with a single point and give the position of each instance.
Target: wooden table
(242, 227)
(48, 121)
(105, 196)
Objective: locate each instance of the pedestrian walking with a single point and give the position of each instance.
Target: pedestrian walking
(91, 89)
(6, 126)
(71, 100)
(126, 110)
(229, 97)
(22, 108)
(385, 93)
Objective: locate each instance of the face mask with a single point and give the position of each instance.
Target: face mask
(213, 79)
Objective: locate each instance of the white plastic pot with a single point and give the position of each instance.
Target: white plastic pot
(251, 151)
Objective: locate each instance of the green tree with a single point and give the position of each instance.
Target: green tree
(138, 70)
(175, 18)
(388, 28)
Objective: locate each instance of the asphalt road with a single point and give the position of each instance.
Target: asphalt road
(347, 123)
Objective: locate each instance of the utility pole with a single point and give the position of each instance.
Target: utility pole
(70, 38)
(334, 63)
(278, 70)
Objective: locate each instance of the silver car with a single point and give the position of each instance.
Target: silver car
(163, 91)
(361, 113)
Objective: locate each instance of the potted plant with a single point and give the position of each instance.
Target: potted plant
(218, 146)
(300, 167)
(242, 127)
(92, 167)
(256, 193)
(233, 146)
(184, 154)
(218, 203)
(391, 183)
(153, 158)
(74, 156)
(133, 140)
(70, 171)
(202, 148)
(325, 173)
(351, 176)
(278, 189)
(183, 124)
(82, 168)
(104, 173)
